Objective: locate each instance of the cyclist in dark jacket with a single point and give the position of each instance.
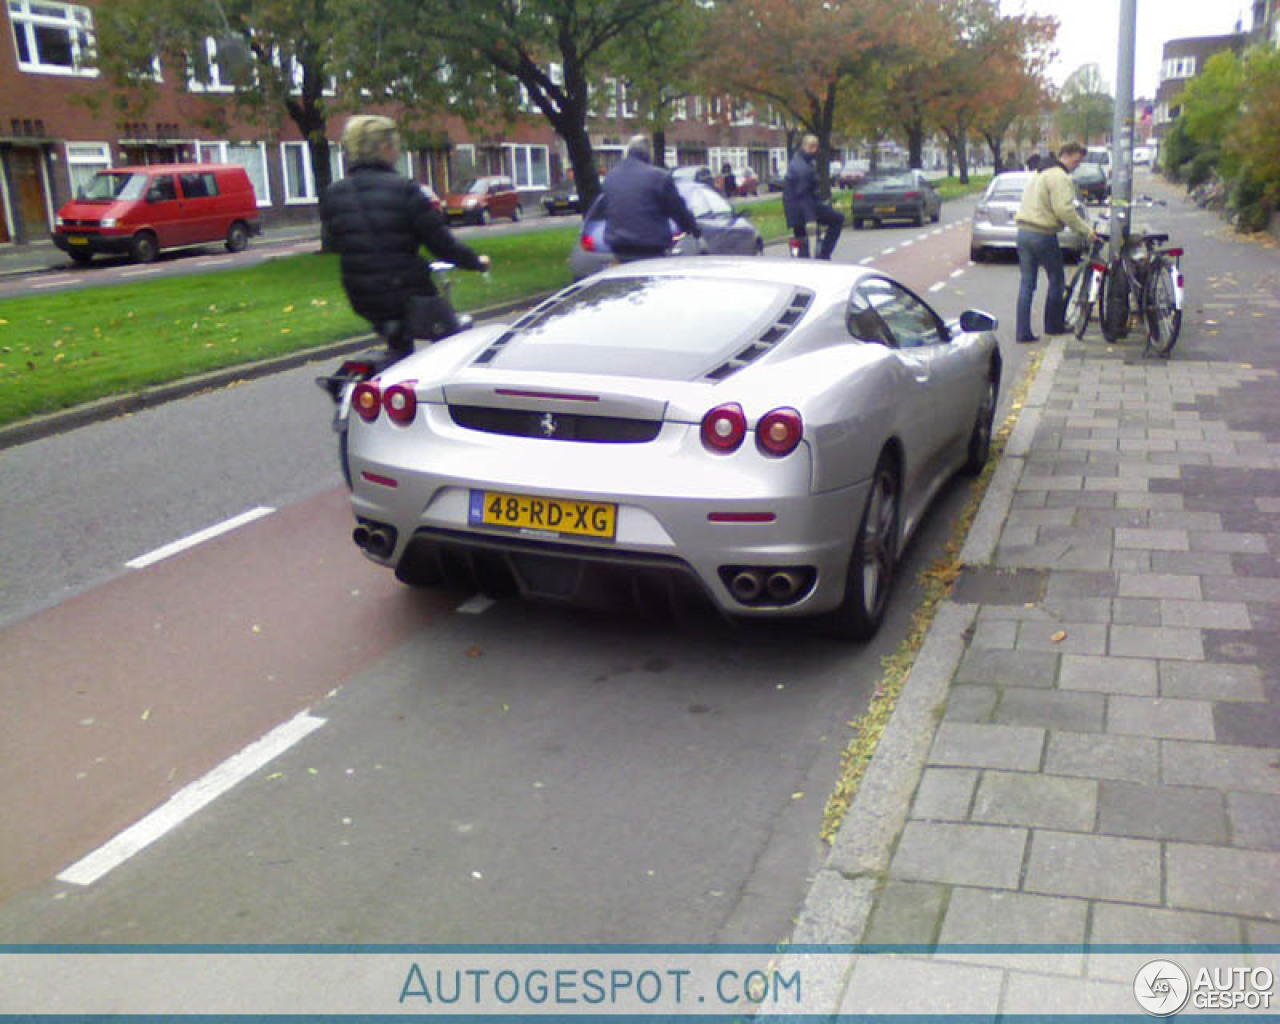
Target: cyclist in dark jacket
(800, 202)
(638, 201)
(378, 220)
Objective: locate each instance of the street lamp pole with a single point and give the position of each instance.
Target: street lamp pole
(1122, 130)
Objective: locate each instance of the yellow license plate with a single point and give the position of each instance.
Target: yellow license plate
(77, 240)
(555, 515)
(886, 209)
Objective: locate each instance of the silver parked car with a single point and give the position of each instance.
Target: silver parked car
(994, 226)
(764, 433)
(725, 232)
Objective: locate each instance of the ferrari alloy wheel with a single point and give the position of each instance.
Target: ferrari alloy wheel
(875, 553)
(980, 439)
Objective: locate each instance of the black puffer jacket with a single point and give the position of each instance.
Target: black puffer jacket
(378, 219)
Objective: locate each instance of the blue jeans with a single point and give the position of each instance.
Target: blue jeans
(1037, 249)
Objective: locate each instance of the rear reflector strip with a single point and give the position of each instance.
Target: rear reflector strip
(545, 394)
(741, 517)
(374, 478)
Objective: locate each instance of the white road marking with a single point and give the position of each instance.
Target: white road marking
(937, 287)
(905, 243)
(54, 282)
(958, 272)
(866, 260)
(885, 252)
(142, 561)
(937, 231)
(477, 604)
(190, 799)
(212, 261)
(140, 271)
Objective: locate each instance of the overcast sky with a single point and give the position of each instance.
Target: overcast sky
(1089, 32)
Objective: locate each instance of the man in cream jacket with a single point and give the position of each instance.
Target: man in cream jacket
(1048, 205)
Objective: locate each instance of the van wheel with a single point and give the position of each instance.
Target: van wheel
(237, 237)
(143, 248)
(515, 214)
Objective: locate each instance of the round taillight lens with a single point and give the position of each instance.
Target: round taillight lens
(366, 400)
(588, 243)
(779, 431)
(724, 427)
(401, 402)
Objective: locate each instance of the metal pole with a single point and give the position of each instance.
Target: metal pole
(1122, 130)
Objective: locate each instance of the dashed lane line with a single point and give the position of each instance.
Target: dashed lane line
(57, 282)
(958, 271)
(189, 800)
(937, 287)
(477, 604)
(140, 272)
(151, 557)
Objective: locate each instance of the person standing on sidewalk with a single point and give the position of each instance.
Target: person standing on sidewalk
(1048, 205)
(801, 204)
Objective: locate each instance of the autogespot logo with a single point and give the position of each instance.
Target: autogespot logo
(1161, 988)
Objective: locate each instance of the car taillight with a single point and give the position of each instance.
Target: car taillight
(588, 243)
(912, 195)
(367, 400)
(724, 427)
(401, 402)
(1175, 253)
(859, 196)
(779, 431)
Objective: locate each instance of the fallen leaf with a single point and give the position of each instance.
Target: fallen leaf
(474, 652)
(146, 714)
(287, 309)
(275, 775)
(1059, 636)
(476, 874)
(797, 796)
(257, 628)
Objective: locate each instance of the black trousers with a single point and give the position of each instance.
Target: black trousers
(833, 223)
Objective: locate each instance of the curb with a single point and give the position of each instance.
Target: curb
(838, 905)
(120, 405)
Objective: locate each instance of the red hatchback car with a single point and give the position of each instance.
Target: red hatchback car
(480, 200)
(141, 210)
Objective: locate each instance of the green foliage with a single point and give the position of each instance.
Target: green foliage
(1251, 203)
(1178, 150)
(1087, 106)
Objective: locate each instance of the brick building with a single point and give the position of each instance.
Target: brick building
(57, 128)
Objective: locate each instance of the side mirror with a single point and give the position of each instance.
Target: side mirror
(973, 321)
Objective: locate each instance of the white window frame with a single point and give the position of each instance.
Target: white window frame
(215, 83)
(78, 154)
(626, 105)
(518, 156)
(308, 175)
(77, 20)
(680, 109)
(611, 97)
(743, 113)
(222, 155)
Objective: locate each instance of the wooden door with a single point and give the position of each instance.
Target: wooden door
(31, 211)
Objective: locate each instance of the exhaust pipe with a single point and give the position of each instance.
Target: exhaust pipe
(782, 585)
(361, 536)
(379, 543)
(747, 586)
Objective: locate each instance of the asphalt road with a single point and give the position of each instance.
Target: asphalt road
(483, 773)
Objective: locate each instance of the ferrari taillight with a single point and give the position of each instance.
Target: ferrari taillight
(367, 400)
(588, 243)
(401, 402)
(779, 431)
(724, 427)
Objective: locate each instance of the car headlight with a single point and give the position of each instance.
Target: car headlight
(470, 202)
(59, 222)
(108, 222)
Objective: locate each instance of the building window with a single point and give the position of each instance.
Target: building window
(629, 108)
(530, 167)
(299, 181)
(680, 112)
(217, 78)
(53, 38)
(252, 156)
(84, 160)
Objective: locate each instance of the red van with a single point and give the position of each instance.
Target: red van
(141, 210)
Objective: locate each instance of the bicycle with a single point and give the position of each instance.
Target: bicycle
(1150, 288)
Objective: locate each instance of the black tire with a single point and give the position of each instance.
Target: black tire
(237, 237)
(81, 258)
(342, 458)
(977, 255)
(937, 216)
(983, 425)
(1113, 312)
(1085, 313)
(143, 248)
(869, 578)
(1163, 318)
(759, 249)
(919, 221)
(1076, 297)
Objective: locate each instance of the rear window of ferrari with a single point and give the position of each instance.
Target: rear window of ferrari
(668, 328)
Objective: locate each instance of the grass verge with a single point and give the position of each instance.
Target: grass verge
(936, 580)
(62, 350)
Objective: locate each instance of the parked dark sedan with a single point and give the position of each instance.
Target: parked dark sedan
(904, 196)
(1091, 182)
(725, 232)
(562, 199)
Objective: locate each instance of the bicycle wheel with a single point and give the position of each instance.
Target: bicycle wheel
(1113, 303)
(1163, 317)
(1077, 314)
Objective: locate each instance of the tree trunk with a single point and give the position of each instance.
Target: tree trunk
(659, 147)
(915, 144)
(581, 157)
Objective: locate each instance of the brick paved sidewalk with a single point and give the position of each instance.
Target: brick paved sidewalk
(1107, 766)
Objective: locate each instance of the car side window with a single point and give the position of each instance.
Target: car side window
(162, 188)
(862, 320)
(910, 322)
(198, 185)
